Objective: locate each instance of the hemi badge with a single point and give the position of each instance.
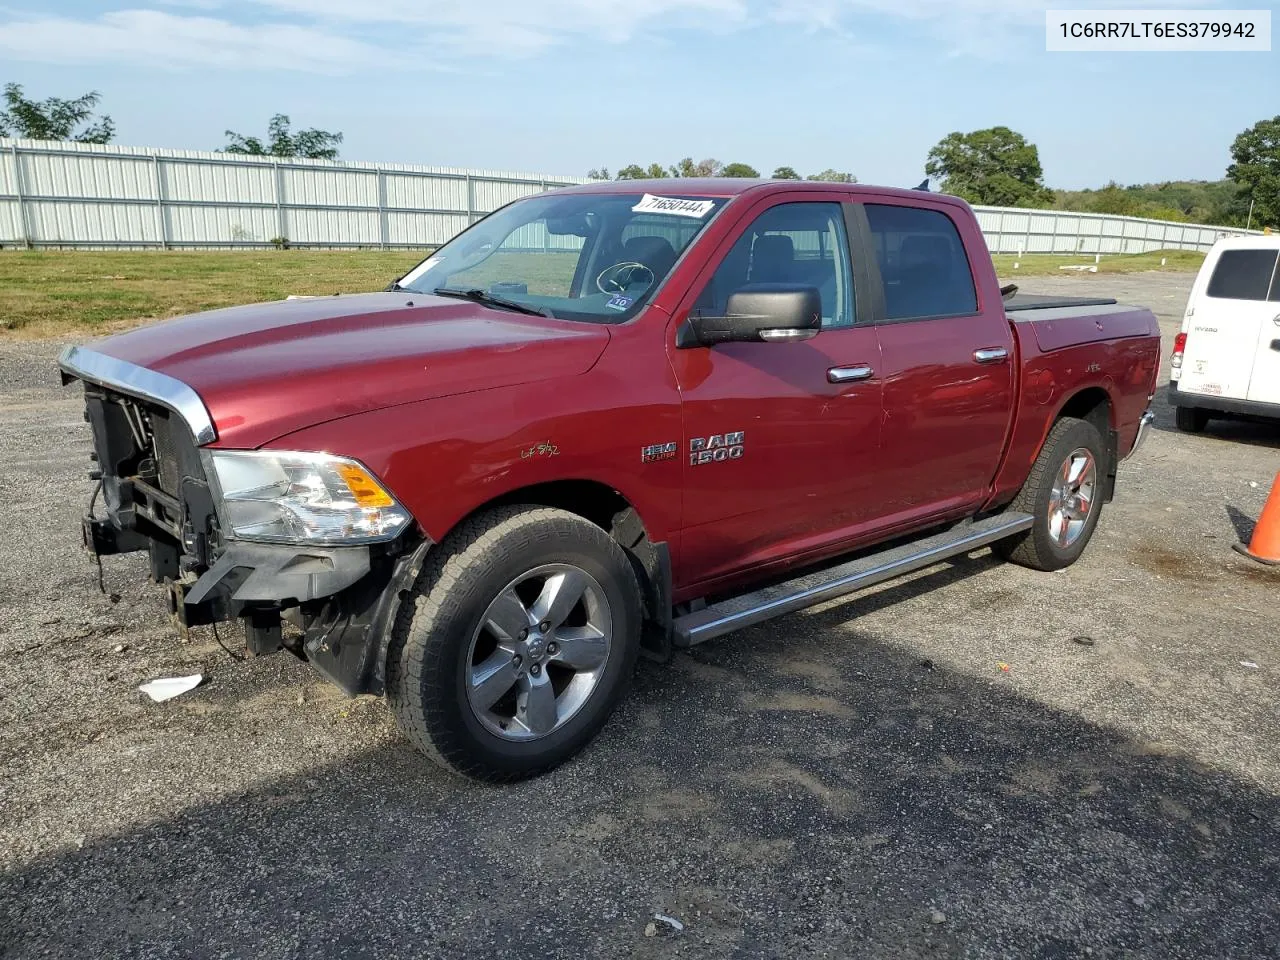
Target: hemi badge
(658, 451)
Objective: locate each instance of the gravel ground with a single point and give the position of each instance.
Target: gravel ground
(862, 779)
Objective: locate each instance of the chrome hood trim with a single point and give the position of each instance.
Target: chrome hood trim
(81, 363)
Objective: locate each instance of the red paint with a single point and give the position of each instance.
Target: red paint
(453, 404)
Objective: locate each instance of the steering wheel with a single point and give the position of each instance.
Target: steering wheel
(620, 276)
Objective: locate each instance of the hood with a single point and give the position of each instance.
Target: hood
(271, 368)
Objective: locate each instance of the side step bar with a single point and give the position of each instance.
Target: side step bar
(782, 598)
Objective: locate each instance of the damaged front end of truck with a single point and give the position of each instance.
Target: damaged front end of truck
(308, 551)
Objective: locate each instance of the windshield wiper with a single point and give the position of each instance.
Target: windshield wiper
(488, 299)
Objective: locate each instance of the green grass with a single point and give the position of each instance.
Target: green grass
(1046, 264)
(62, 292)
(57, 292)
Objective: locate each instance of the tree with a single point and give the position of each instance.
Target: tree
(53, 119)
(312, 144)
(994, 166)
(1115, 199)
(739, 170)
(703, 168)
(599, 174)
(833, 176)
(655, 171)
(786, 173)
(1256, 168)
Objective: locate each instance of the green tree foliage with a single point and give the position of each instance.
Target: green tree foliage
(833, 176)
(1219, 202)
(703, 168)
(601, 173)
(654, 171)
(996, 166)
(311, 144)
(53, 119)
(714, 168)
(1255, 167)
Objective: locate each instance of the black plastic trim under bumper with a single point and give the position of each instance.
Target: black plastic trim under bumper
(1241, 408)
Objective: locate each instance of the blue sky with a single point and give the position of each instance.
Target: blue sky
(559, 86)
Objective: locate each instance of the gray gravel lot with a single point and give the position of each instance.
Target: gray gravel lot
(862, 779)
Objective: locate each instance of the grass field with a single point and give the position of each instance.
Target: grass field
(51, 293)
(47, 293)
(1044, 264)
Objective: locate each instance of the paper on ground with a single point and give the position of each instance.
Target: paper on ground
(166, 688)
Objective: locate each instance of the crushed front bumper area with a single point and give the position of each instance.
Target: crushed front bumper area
(342, 600)
(158, 498)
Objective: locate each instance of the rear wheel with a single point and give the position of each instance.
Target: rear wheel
(1063, 493)
(1190, 419)
(521, 640)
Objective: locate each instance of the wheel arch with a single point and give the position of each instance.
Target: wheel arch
(609, 509)
(1094, 404)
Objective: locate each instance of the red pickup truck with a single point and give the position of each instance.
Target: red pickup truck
(603, 421)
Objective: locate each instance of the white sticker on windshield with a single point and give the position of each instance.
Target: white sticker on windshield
(675, 205)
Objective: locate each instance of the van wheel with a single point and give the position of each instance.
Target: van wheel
(521, 640)
(1190, 419)
(1064, 494)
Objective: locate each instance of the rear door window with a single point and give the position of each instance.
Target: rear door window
(1244, 275)
(922, 263)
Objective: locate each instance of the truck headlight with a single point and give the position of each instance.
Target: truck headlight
(304, 498)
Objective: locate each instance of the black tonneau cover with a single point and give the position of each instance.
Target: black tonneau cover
(1032, 301)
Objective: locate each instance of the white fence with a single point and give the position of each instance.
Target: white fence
(85, 195)
(1011, 230)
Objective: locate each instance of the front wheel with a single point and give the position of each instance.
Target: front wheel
(520, 642)
(1063, 493)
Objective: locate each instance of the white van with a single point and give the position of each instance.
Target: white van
(1226, 360)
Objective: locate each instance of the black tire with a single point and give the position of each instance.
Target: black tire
(1190, 419)
(1037, 548)
(429, 655)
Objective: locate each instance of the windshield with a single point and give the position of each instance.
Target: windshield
(595, 257)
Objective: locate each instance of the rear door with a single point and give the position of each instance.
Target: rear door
(1229, 323)
(946, 359)
(1264, 381)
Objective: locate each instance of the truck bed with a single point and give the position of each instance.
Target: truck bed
(1032, 301)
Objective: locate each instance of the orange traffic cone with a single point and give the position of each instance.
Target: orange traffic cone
(1264, 546)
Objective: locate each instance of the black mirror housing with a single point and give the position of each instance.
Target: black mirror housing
(768, 312)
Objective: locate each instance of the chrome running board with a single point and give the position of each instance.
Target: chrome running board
(867, 571)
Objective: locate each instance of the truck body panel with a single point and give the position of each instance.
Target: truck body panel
(741, 460)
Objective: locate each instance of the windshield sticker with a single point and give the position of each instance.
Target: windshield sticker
(619, 303)
(675, 205)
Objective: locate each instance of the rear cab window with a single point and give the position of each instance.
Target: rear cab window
(1245, 275)
(922, 263)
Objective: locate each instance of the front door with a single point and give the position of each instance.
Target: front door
(780, 438)
(947, 364)
(1230, 329)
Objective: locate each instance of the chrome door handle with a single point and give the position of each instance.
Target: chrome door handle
(1276, 319)
(991, 354)
(847, 374)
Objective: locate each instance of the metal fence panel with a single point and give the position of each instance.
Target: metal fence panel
(90, 195)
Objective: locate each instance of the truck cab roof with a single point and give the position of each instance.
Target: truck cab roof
(736, 186)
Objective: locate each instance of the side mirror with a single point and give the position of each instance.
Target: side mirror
(768, 312)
